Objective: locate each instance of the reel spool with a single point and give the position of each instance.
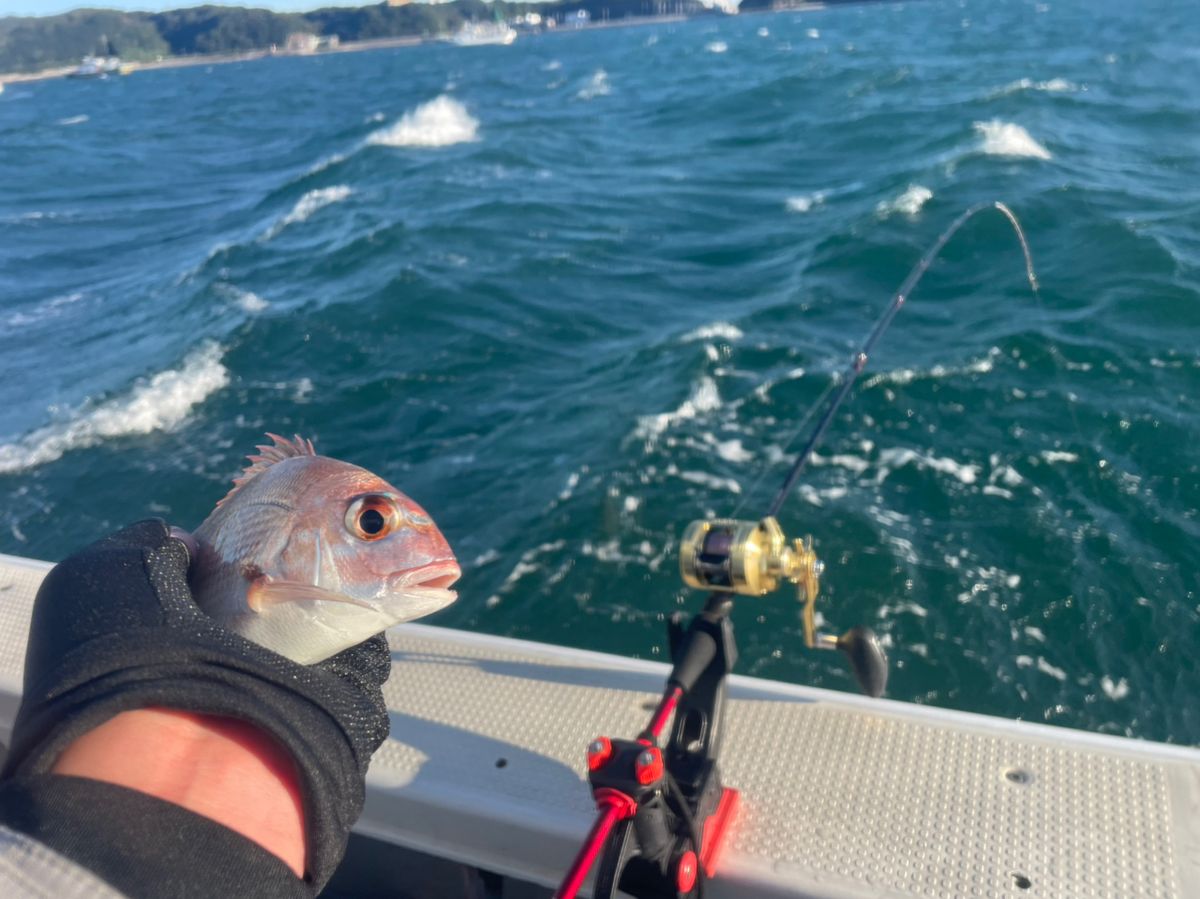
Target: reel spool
(752, 559)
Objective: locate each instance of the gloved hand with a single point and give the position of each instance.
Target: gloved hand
(115, 628)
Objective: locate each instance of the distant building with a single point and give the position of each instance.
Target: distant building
(302, 42)
(399, 2)
(299, 42)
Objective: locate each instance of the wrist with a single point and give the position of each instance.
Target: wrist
(222, 768)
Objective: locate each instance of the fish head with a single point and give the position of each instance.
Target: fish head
(299, 528)
(358, 535)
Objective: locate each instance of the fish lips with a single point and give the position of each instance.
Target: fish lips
(431, 582)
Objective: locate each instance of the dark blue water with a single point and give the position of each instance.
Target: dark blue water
(574, 293)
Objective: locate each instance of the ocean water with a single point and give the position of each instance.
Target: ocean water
(574, 293)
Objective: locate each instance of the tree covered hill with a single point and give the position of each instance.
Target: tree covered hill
(29, 44)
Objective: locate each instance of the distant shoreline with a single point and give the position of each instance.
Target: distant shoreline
(179, 62)
(210, 59)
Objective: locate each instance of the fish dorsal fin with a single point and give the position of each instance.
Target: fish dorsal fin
(281, 449)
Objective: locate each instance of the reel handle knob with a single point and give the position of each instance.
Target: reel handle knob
(867, 658)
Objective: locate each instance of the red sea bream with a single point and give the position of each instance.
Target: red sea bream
(308, 555)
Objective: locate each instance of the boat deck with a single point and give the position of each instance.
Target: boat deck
(842, 796)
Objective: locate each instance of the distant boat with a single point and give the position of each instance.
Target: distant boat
(475, 34)
(99, 67)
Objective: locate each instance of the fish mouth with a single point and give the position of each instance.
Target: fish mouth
(436, 576)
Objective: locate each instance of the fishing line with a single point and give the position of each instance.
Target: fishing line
(858, 360)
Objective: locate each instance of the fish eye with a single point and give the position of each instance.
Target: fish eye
(372, 517)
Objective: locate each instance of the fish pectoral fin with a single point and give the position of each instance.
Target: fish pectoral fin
(264, 593)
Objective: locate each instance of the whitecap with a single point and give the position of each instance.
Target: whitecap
(47, 309)
(597, 86)
(159, 403)
(805, 202)
(1052, 456)
(898, 457)
(732, 450)
(703, 398)
(73, 120)
(1053, 86)
(1009, 139)
(246, 300)
(439, 123)
(813, 33)
(485, 558)
(715, 331)
(308, 204)
(36, 216)
(1046, 668)
(527, 565)
(711, 481)
(764, 32)
(716, 47)
(902, 376)
(909, 202)
(324, 163)
(552, 66)
(1117, 690)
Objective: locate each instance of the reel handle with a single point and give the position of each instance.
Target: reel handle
(865, 653)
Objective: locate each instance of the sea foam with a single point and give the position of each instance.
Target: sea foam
(805, 202)
(47, 309)
(717, 330)
(1008, 139)
(909, 202)
(1052, 86)
(308, 204)
(439, 123)
(704, 398)
(246, 300)
(159, 403)
(597, 86)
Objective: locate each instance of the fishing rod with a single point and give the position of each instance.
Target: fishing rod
(663, 812)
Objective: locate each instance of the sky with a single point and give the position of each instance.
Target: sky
(53, 7)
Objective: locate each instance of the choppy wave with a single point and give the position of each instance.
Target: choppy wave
(246, 300)
(51, 308)
(1053, 86)
(902, 376)
(894, 458)
(1008, 139)
(308, 204)
(805, 202)
(159, 403)
(704, 398)
(597, 86)
(717, 330)
(909, 202)
(439, 123)
(36, 215)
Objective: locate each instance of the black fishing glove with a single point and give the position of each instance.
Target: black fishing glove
(115, 628)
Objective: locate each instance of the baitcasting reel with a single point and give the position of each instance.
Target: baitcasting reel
(752, 558)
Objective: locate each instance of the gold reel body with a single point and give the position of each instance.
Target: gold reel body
(751, 558)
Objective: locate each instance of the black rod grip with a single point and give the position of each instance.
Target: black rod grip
(699, 649)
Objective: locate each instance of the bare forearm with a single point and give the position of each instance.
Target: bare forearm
(224, 769)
